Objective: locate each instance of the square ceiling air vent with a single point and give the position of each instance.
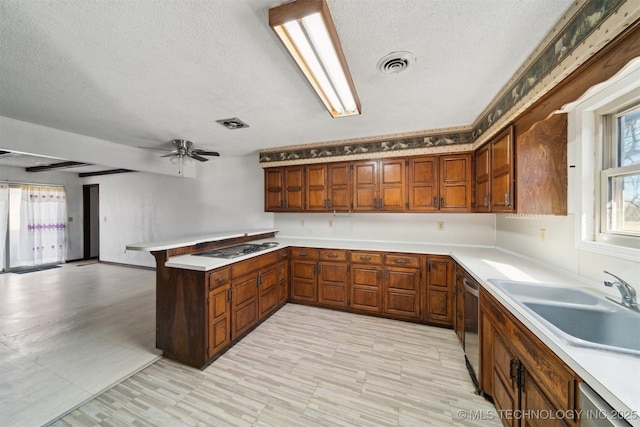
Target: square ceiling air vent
(233, 123)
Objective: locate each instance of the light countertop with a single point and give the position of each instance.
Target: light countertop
(615, 376)
(162, 245)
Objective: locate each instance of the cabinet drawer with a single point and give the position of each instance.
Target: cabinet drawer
(219, 278)
(402, 260)
(366, 257)
(333, 255)
(248, 266)
(307, 253)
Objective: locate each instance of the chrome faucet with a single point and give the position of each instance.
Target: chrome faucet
(625, 289)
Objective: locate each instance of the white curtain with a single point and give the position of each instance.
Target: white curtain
(43, 223)
(4, 222)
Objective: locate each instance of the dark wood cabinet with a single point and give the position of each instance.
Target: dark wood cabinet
(219, 303)
(422, 184)
(284, 189)
(283, 279)
(455, 186)
(439, 290)
(440, 183)
(379, 185)
(328, 187)
(304, 275)
(333, 289)
(520, 372)
(244, 304)
(366, 281)
(401, 287)
(494, 163)
(542, 167)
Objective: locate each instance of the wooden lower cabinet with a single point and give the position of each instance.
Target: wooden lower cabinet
(401, 287)
(219, 318)
(522, 375)
(333, 278)
(304, 275)
(439, 296)
(283, 281)
(366, 289)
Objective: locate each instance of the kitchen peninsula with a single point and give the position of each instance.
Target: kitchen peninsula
(195, 292)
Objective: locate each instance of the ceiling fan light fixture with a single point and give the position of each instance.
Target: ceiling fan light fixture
(307, 31)
(233, 123)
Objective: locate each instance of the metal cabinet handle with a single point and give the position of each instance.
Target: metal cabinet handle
(221, 278)
(328, 203)
(324, 204)
(402, 261)
(435, 202)
(486, 201)
(441, 202)
(302, 254)
(513, 369)
(507, 201)
(365, 258)
(332, 255)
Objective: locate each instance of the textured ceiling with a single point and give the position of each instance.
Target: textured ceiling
(143, 72)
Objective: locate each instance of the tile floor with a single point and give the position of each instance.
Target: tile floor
(68, 334)
(305, 366)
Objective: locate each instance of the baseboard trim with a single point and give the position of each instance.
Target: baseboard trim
(121, 264)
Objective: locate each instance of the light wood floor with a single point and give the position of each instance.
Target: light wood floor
(68, 334)
(305, 367)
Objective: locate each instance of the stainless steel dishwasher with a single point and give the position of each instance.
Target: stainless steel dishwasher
(595, 412)
(471, 325)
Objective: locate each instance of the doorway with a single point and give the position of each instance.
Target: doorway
(91, 220)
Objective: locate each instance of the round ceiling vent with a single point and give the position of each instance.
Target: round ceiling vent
(396, 62)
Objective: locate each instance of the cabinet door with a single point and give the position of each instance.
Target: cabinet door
(504, 374)
(294, 188)
(366, 292)
(273, 189)
(401, 292)
(440, 280)
(316, 188)
(534, 401)
(365, 185)
(392, 182)
(483, 179)
(303, 280)
(244, 304)
(339, 186)
(332, 283)
(423, 184)
(283, 282)
(455, 183)
(267, 291)
(502, 196)
(219, 319)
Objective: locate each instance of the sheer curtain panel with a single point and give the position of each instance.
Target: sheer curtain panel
(4, 223)
(43, 214)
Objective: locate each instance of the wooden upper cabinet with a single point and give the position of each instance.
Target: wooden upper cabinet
(316, 187)
(494, 174)
(502, 185)
(328, 187)
(455, 183)
(422, 184)
(284, 189)
(542, 167)
(483, 179)
(379, 185)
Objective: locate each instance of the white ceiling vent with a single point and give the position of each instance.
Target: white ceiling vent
(396, 62)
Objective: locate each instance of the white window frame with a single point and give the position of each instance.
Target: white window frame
(585, 133)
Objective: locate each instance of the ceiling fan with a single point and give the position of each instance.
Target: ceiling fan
(184, 148)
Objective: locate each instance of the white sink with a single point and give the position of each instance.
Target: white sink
(577, 316)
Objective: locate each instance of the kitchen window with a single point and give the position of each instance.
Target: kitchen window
(620, 177)
(604, 160)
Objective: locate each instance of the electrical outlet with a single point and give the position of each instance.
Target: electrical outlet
(440, 226)
(543, 234)
(330, 223)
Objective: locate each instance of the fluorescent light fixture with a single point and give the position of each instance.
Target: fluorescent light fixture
(306, 29)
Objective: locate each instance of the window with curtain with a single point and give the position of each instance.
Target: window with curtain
(37, 225)
(4, 222)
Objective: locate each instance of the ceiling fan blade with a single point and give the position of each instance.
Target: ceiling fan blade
(198, 158)
(171, 154)
(206, 153)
